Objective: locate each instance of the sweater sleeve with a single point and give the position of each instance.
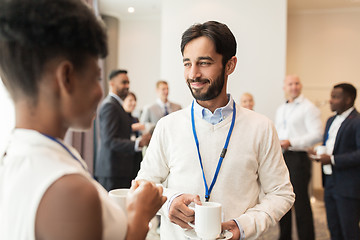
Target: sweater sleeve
(155, 167)
(275, 184)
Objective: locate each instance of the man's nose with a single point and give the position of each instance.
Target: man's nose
(194, 72)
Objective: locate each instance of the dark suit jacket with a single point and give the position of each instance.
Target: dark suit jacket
(116, 156)
(346, 171)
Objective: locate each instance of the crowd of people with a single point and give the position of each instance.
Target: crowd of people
(212, 150)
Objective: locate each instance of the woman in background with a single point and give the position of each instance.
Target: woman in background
(49, 52)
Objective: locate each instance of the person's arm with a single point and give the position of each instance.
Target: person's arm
(314, 129)
(154, 166)
(350, 159)
(143, 201)
(70, 209)
(275, 183)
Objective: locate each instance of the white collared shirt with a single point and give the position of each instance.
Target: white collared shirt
(300, 123)
(331, 137)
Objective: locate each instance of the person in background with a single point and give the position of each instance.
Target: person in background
(341, 164)
(299, 127)
(247, 101)
(118, 156)
(162, 107)
(129, 106)
(214, 133)
(46, 191)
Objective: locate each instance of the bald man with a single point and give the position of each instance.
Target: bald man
(299, 127)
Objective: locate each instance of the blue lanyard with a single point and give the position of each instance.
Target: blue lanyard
(68, 150)
(222, 155)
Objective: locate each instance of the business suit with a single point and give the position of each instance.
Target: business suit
(342, 187)
(117, 161)
(152, 113)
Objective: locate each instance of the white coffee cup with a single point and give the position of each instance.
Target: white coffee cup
(207, 220)
(119, 197)
(321, 150)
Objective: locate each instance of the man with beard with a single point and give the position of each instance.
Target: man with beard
(118, 156)
(215, 150)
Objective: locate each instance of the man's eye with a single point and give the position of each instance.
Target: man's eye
(204, 63)
(186, 64)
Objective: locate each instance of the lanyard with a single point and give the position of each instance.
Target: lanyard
(222, 155)
(68, 150)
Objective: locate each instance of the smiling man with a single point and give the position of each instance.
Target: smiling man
(214, 150)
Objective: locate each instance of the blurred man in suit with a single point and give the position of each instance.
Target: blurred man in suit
(341, 164)
(299, 127)
(162, 107)
(118, 156)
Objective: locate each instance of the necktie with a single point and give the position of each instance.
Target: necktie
(166, 111)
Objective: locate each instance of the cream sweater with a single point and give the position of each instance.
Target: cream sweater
(253, 167)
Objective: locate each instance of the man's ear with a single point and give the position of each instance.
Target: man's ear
(65, 76)
(230, 65)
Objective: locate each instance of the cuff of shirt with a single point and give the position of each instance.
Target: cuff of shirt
(242, 233)
(136, 147)
(332, 160)
(171, 200)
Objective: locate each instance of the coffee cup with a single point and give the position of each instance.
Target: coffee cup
(119, 197)
(321, 150)
(207, 220)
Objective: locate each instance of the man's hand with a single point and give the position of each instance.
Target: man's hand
(323, 158)
(232, 227)
(145, 139)
(285, 144)
(180, 213)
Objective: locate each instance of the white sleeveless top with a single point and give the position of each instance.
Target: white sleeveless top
(32, 163)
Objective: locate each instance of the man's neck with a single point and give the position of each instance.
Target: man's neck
(163, 100)
(292, 99)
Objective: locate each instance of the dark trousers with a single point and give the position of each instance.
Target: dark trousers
(299, 166)
(110, 183)
(342, 213)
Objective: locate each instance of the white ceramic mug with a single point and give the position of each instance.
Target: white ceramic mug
(119, 197)
(207, 220)
(321, 150)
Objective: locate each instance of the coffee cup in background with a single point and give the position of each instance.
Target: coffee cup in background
(321, 150)
(119, 197)
(207, 220)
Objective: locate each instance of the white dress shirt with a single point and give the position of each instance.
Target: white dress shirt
(300, 123)
(331, 137)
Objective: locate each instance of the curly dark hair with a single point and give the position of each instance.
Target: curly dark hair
(218, 33)
(32, 32)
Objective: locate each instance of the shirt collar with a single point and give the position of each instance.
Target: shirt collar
(346, 113)
(161, 103)
(116, 97)
(219, 113)
(297, 100)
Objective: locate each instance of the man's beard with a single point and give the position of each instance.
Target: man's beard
(122, 93)
(213, 91)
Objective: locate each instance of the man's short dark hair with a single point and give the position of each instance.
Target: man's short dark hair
(33, 32)
(348, 89)
(218, 33)
(114, 73)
